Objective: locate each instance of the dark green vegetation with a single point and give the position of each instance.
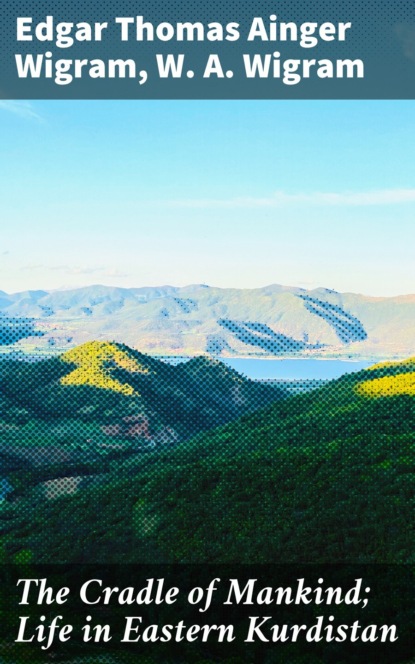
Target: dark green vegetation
(324, 476)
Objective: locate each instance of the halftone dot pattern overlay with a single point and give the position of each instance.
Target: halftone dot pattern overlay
(381, 36)
(111, 456)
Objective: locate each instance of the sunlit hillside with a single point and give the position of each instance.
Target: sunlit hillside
(94, 361)
(391, 379)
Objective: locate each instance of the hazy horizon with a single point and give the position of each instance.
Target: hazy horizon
(203, 285)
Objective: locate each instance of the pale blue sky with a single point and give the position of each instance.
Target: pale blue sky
(234, 193)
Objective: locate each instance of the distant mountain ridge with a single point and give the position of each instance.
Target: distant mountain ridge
(274, 321)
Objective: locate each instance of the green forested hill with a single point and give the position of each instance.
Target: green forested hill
(105, 383)
(325, 476)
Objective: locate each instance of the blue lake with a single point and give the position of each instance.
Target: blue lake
(295, 369)
(259, 369)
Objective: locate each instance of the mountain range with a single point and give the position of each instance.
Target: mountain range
(274, 321)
